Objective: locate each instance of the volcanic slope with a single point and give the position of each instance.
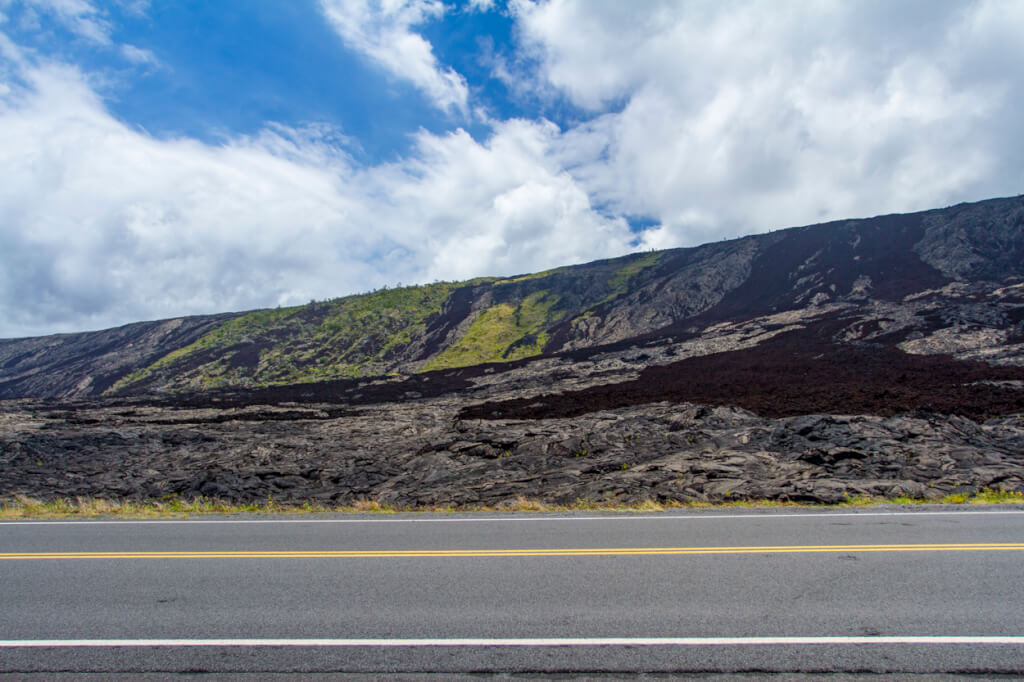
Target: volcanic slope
(947, 281)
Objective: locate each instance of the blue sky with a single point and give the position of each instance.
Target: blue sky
(159, 159)
(227, 68)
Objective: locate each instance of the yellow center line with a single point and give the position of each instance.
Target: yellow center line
(475, 553)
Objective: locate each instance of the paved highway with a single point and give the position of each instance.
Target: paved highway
(877, 590)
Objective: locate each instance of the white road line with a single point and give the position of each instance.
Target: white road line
(524, 642)
(699, 516)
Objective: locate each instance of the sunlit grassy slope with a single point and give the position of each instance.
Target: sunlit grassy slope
(407, 329)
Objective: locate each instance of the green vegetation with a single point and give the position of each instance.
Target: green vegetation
(346, 337)
(503, 332)
(986, 496)
(228, 334)
(27, 508)
(620, 280)
(372, 334)
(89, 507)
(533, 275)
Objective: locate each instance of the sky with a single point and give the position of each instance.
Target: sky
(168, 158)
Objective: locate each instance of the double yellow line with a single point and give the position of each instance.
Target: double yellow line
(509, 553)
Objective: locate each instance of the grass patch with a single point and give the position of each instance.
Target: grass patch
(986, 496)
(623, 275)
(532, 275)
(502, 333)
(21, 507)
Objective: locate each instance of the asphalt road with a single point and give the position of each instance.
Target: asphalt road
(920, 591)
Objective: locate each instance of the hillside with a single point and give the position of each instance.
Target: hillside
(944, 280)
(880, 357)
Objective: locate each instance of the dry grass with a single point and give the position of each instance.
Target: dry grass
(21, 507)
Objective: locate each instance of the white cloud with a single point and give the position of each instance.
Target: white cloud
(88, 21)
(381, 29)
(714, 119)
(81, 17)
(101, 224)
(505, 207)
(738, 117)
(136, 8)
(137, 55)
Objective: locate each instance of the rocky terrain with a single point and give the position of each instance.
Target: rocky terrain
(396, 443)
(876, 357)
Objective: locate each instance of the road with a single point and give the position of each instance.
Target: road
(813, 592)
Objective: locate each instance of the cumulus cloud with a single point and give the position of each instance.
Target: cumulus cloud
(502, 207)
(101, 224)
(382, 30)
(737, 117)
(710, 119)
